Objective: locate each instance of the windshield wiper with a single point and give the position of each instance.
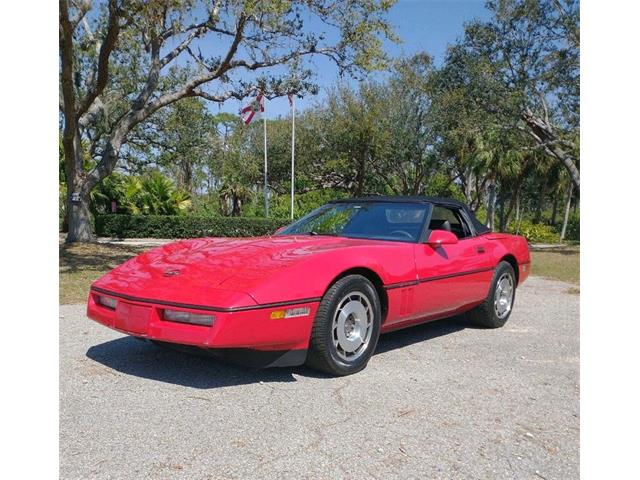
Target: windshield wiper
(313, 232)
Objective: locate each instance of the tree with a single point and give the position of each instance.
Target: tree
(125, 61)
(149, 194)
(505, 104)
(185, 142)
(532, 49)
(278, 152)
(350, 140)
(154, 194)
(232, 197)
(407, 123)
(465, 134)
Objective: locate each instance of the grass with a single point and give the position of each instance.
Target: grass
(81, 264)
(562, 263)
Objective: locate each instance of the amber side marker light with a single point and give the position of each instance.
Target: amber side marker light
(290, 313)
(181, 316)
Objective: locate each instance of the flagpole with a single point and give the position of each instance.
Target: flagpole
(293, 149)
(266, 192)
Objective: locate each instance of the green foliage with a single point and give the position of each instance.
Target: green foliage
(232, 196)
(441, 185)
(573, 227)
(205, 205)
(454, 130)
(535, 232)
(304, 203)
(150, 194)
(129, 72)
(309, 201)
(155, 194)
(481, 215)
(184, 141)
(183, 226)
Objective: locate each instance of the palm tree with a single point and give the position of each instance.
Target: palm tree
(500, 158)
(233, 195)
(154, 194)
(111, 189)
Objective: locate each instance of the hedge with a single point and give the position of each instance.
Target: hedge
(179, 226)
(534, 232)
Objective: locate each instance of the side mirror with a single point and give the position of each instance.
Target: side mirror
(438, 238)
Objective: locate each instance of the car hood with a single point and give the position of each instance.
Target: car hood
(216, 271)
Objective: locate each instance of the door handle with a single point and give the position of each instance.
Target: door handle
(480, 249)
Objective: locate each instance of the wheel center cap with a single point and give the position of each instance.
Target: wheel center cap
(349, 325)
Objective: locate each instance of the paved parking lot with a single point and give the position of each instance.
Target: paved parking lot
(440, 400)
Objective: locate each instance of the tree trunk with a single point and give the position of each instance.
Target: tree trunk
(360, 174)
(491, 204)
(518, 213)
(515, 200)
(554, 209)
(235, 205)
(186, 176)
(566, 213)
(468, 185)
(65, 220)
(79, 218)
(503, 224)
(541, 199)
(78, 189)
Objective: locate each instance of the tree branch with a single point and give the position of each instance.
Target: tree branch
(197, 92)
(68, 89)
(82, 10)
(183, 45)
(544, 135)
(113, 30)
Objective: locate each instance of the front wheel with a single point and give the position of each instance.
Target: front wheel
(496, 308)
(346, 328)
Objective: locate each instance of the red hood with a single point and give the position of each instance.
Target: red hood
(216, 271)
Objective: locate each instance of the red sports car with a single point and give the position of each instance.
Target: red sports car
(320, 290)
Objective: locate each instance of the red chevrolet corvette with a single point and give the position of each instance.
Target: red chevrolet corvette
(321, 290)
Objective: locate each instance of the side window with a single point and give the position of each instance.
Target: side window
(443, 218)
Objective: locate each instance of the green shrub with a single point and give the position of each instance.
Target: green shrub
(180, 226)
(534, 232)
(573, 227)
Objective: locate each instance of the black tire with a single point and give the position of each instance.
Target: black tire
(485, 315)
(323, 354)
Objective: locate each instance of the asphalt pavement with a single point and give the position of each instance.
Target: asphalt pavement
(438, 401)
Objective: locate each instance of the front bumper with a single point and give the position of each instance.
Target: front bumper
(250, 336)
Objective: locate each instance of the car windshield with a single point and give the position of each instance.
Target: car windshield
(375, 220)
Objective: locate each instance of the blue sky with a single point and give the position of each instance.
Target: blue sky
(422, 25)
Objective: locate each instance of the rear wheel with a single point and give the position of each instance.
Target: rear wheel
(346, 328)
(496, 308)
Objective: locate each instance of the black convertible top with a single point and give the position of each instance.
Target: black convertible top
(479, 227)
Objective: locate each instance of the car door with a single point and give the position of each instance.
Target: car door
(452, 277)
